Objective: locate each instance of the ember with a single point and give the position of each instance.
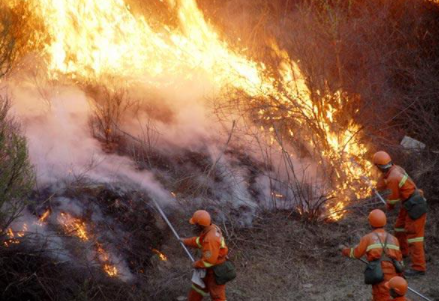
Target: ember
(160, 255)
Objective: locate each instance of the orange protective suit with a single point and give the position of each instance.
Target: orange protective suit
(213, 246)
(401, 299)
(409, 232)
(371, 245)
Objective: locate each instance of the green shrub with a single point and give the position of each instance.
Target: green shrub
(16, 173)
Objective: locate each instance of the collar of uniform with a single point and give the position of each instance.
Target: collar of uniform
(208, 229)
(379, 230)
(390, 170)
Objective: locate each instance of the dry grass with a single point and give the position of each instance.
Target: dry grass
(282, 258)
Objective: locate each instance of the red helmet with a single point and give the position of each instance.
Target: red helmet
(398, 284)
(377, 218)
(201, 217)
(382, 159)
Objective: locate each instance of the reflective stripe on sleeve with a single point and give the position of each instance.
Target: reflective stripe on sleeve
(399, 229)
(206, 264)
(223, 243)
(351, 255)
(200, 291)
(403, 180)
(393, 202)
(380, 246)
(198, 242)
(416, 239)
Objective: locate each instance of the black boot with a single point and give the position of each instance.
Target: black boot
(413, 273)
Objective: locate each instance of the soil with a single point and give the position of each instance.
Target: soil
(284, 258)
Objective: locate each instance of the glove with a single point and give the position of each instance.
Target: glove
(346, 252)
(390, 207)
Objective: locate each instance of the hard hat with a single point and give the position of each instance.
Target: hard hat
(382, 159)
(377, 218)
(201, 217)
(398, 284)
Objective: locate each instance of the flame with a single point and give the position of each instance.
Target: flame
(104, 258)
(73, 226)
(111, 270)
(78, 228)
(160, 255)
(94, 39)
(43, 217)
(13, 238)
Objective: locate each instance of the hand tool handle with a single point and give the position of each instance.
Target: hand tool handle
(410, 289)
(173, 230)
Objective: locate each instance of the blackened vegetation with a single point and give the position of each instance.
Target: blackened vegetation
(28, 274)
(121, 221)
(133, 214)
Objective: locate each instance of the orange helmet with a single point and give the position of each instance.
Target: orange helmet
(201, 217)
(377, 218)
(398, 284)
(382, 159)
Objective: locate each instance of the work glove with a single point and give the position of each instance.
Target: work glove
(346, 252)
(390, 207)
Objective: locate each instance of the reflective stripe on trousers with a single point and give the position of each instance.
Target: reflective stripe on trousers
(416, 239)
(199, 290)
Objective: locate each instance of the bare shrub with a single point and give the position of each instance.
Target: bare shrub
(109, 108)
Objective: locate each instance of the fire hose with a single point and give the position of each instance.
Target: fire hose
(409, 288)
(198, 274)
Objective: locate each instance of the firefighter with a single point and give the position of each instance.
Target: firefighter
(410, 224)
(397, 287)
(214, 250)
(372, 245)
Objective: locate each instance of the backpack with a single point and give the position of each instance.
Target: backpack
(373, 274)
(416, 205)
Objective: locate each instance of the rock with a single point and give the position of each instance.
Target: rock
(412, 144)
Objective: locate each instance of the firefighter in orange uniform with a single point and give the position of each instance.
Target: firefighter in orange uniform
(398, 288)
(372, 246)
(214, 249)
(409, 231)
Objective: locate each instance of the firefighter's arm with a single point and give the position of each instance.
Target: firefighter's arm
(192, 242)
(210, 255)
(358, 251)
(394, 197)
(381, 184)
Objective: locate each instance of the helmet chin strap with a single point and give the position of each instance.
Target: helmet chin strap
(384, 168)
(394, 294)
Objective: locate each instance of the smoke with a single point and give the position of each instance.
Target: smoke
(172, 114)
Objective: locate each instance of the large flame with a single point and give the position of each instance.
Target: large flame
(93, 39)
